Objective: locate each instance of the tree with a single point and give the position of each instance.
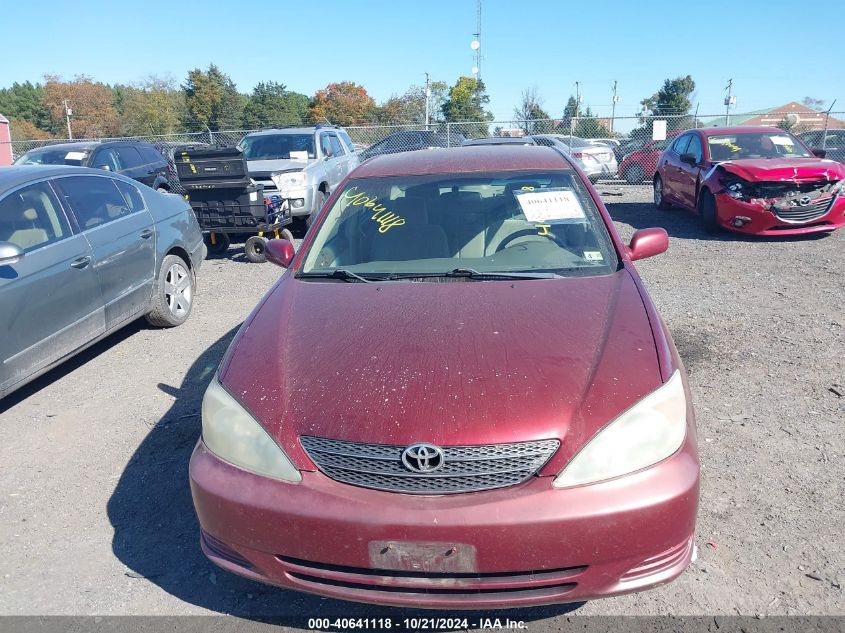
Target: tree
(94, 115)
(813, 104)
(272, 104)
(403, 109)
(344, 103)
(530, 111)
(570, 110)
(25, 102)
(23, 130)
(674, 98)
(466, 102)
(211, 100)
(155, 106)
(437, 99)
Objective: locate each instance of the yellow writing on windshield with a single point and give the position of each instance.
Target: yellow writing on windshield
(381, 216)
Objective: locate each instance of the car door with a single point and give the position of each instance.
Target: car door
(107, 159)
(112, 216)
(155, 164)
(689, 175)
(134, 165)
(669, 166)
(332, 162)
(50, 300)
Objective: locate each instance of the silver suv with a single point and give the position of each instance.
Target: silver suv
(302, 164)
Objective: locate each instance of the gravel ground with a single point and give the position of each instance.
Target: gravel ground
(96, 515)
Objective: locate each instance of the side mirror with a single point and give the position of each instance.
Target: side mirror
(820, 153)
(279, 252)
(10, 253)
(647, 243)
(689, 159)
(106, 167)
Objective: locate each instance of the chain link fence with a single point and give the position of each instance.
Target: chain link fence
(626, 148)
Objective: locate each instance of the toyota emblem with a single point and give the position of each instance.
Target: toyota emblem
(423, 458)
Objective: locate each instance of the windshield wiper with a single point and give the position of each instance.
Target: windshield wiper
(338, 273)
(471, 273)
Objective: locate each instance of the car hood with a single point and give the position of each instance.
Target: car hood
(270, 166)
(785, 169)
(448, 363)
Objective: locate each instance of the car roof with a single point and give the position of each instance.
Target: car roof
(741, 129)
(500, 140)
(22, 174)
(78, 145)
(457, 160)
(286, 130)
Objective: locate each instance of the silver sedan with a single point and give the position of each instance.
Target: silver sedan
(83, 253)
(595, 160)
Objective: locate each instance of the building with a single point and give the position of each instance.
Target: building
(799, 117)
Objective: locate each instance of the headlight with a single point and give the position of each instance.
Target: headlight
(231, 433)
(649, 432)
(288, 180)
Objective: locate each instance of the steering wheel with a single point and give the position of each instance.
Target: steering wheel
(524, 233)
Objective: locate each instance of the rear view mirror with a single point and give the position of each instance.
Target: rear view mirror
(820, 153)
(279, 252)
(689, 159)
(10, 253)
(647, 243)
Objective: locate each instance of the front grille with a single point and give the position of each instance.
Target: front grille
(465, 468)
(436, 583)
(805, 214)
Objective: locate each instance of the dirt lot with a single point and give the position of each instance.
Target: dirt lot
(96, 515)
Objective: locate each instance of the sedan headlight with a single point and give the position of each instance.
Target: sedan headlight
(288, 180)
(231, 433)
(649, 432)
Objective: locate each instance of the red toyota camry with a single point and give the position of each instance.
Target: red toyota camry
(758, 180)
(459, 395)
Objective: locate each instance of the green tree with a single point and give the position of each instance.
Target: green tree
(25, 102)
(569, 112)
(403, 109)
(211, 100)
(813, 103)
(155, 106)
(529, 111)
(673, 101)
(272, 103)
(343, 103)
(466, 102)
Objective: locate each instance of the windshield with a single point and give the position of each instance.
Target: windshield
(276, 146)
(775, 144)
(54, 156)
(514, 222)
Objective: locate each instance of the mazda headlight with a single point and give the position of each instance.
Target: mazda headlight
(289, 180)
(649, 432)
(231, 433)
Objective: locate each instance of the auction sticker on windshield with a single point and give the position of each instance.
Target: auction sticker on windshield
(550, 205)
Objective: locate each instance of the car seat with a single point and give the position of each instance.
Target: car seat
(26, 233)
(415, 239)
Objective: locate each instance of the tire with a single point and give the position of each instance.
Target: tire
(634, 175)
(173, 293)
(221, 245)
(707, 212)
(659, 200)
(319, 201)
(286, 235)
(256, 249)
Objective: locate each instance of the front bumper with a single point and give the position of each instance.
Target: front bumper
(526, 545)
(765, 223)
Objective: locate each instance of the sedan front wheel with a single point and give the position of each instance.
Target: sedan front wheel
(173, 295)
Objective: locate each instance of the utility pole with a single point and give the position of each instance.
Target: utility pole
(68, 114)
(427, 100)
(614, 101)
(577, 97)
(730, 99)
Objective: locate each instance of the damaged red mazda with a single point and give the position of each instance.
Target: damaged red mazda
(458, 395)
(757, 180)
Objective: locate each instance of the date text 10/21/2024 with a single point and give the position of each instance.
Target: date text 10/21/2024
(414, 624)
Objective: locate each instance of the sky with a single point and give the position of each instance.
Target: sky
(388, 46)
